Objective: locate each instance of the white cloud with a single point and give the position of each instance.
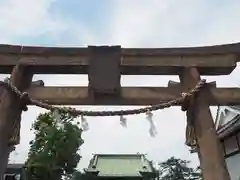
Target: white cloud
(224, 26)
(174, 23)
(33, 18)
(135, 23)
(155, 23)
(25, 18)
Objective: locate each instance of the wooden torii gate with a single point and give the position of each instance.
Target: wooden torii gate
(104, 66)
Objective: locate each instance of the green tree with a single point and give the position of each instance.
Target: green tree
(77, 175)
(54, 151)
(178, 169)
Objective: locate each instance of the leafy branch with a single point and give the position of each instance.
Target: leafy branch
(54, 151)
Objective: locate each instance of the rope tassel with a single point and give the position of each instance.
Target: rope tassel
(190, 136)
(190, 130)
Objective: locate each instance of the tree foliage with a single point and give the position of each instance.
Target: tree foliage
(54, 151)
(77, 175)
(178, 169)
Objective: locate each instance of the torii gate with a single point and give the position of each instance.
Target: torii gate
(104, 66)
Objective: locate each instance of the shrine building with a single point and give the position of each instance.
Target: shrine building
(228, 129)
(120, 166)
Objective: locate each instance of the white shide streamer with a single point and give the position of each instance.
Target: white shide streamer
(57, 118)
(84, 124)
(152, 129)
(123, 121)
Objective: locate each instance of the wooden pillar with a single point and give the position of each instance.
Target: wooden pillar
(10, 112)
(209, 149)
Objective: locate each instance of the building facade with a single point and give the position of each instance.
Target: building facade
(15, 172)
(120, 166)
(228, 129)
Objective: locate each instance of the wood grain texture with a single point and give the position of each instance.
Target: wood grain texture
(129, 96)
(209, 149)
(210, 60)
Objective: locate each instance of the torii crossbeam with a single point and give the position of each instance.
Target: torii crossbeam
(105, 65)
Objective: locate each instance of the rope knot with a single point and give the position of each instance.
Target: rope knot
(24, 101)
(186, 99)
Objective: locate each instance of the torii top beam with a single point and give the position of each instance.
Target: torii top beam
(210, 60)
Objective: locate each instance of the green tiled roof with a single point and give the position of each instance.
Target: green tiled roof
(120, 165)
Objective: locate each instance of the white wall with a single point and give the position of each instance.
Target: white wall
(233, 164)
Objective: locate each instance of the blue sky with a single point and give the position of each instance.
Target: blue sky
(130, 23)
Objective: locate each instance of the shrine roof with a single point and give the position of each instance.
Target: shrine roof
(227, 120)
(120, 165)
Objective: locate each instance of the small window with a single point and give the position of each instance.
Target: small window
(231, 145)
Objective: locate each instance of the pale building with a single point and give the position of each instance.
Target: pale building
(228, 129)
(15, 172)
